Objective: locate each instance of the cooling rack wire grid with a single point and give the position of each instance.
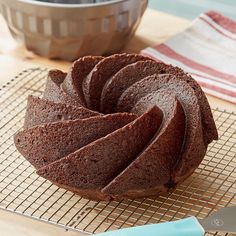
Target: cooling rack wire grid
(211, 187)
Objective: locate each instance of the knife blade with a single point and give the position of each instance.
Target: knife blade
(223, 220)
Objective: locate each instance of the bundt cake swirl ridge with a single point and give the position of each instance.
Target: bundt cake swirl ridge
(123, 126)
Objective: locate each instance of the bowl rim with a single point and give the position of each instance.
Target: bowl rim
(61, 5)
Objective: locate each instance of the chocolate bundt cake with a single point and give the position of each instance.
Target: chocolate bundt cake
(123, 126)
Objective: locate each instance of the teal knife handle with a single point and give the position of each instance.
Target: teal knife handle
(185, 227)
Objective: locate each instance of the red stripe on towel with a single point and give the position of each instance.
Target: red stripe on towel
(162, 48)
(219, 31)
(223, 21)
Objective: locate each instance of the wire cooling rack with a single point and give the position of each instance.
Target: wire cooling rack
(212, 186)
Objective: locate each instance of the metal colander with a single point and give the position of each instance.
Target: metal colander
(212, 186)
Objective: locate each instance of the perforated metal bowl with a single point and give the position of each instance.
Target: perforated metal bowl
(68, 29)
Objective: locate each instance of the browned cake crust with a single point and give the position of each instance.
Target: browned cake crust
(95, 165)
(53, 91)
(102, 72)
(36, 143)
(159, 157)
(155, 134)
(195, 147)
(41, 111)
(73, 83)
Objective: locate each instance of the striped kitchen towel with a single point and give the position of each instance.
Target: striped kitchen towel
(206, 50)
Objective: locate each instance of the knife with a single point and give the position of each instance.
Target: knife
(223, 220)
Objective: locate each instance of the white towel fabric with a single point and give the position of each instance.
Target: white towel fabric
(206, 50)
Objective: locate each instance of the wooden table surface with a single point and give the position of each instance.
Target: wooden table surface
(155, 28)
